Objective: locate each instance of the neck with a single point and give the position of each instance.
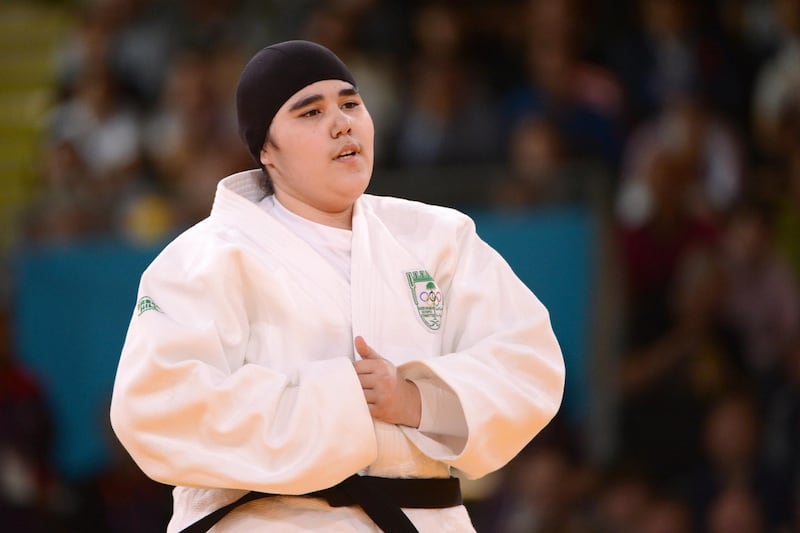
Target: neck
(336, 218)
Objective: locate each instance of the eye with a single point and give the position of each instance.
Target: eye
(350, 105)
(311, 113)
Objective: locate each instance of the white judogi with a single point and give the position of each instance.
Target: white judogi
(237, 368)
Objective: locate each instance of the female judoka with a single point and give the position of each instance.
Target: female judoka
(314, 358)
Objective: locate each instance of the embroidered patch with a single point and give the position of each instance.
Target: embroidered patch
(146, 303)
(427, 298)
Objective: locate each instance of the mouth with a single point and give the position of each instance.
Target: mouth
(347, 152)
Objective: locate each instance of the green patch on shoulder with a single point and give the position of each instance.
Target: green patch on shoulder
(146, 303)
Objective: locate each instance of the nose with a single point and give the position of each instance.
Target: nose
(342, 124)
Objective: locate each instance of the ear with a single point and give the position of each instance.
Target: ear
(265, 156)
(268, 149)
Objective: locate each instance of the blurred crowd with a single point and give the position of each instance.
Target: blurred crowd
(677, 122)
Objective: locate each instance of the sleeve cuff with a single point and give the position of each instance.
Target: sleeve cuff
(441, 411)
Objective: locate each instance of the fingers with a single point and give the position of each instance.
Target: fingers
(364, 349)
(367, 380)
(379, 381)
(395, 408)
(371, 397)
(361, 344)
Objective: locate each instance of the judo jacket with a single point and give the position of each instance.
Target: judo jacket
(237, 370)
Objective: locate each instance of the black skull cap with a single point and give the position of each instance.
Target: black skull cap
(272, 76)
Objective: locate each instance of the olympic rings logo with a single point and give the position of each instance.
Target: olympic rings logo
(430, 297)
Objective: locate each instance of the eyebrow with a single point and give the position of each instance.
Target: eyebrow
(313, 98)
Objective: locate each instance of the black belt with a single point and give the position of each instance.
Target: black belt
(381, 498)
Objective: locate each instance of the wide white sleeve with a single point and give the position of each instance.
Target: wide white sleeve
(503, 381)
(191, 412)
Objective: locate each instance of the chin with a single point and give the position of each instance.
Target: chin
(355, 185)
(350, 197)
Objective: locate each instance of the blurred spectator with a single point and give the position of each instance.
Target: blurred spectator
(539, 171)
(446, 116)
(210, 23)
(131, 37)
(92, 159)
(26, 442)
(192, 140)
(537, 168)
(651, 251)
(119, 498)
(778, 80)
(735, 511)
(582, 100)
(103, 127)
(735, 479)
(665, 514)
(141, 48)
(63, 211)
(669, 51)
(762, 299)
(688, 129)
(543, 489)
(669, 383)
(89, 43)
(755, 22)
(622, 501)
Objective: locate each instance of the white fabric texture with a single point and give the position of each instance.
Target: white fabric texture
(240, 374)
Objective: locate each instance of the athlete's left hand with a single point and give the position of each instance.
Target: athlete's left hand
(390, 397)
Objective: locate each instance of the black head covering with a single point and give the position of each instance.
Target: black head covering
(272, 76)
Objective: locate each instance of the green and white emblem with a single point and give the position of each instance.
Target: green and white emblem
(146, 303)
(427, 298)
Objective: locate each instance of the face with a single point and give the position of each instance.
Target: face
(319, 152)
